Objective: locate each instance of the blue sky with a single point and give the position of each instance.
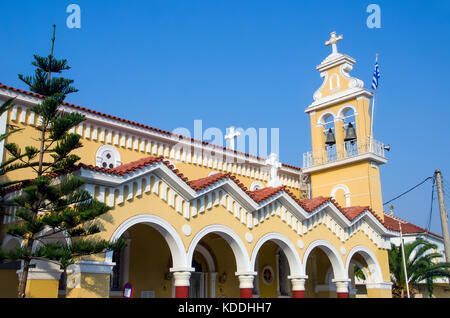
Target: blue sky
(252, 64)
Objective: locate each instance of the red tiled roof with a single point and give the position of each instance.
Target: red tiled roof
(392, 223)
(258, 196)
(310, 205)
(263, 194)
(203, 183)
(354, 211)
(17, 90)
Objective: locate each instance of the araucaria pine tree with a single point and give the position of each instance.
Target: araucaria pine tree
(52, 201)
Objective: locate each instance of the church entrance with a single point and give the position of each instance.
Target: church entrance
(320, 276)
(198, 282)
(145, 265)
(273, 270)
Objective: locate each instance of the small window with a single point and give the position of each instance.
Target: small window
(256, 185)
(334, 82)
(108, 157)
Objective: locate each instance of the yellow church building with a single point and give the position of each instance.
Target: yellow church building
(207, 221)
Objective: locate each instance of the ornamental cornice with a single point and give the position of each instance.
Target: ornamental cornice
(337, 98)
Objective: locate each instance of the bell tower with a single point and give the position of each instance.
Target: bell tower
(345, 159)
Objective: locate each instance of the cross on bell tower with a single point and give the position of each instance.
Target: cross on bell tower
(333, 41)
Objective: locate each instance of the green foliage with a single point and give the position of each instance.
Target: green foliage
(359, 273)
(39, 82)
(53, 207)
(422, 265)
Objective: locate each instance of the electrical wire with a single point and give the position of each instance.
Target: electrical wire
(431, 205)
(408, 190)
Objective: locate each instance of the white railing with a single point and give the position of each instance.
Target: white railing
(342, 151)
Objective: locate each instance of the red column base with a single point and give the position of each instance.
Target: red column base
(299, 294)
(246, 292)
(181, 291)
(342, 295)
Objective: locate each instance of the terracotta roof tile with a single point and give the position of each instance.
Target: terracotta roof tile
(310, 205)
(263, 194)
(353, 212)
(392, 223)
(203, 183)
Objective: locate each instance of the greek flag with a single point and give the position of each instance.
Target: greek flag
(376, 76)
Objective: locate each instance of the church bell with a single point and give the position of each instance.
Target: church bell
(350, 135)
(331, 140)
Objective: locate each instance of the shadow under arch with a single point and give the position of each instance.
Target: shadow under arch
(333, 255)
(295, 264)
(233, 240)
(371, 261)
(169, 233)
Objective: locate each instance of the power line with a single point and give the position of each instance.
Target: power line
(431, 204)
(408, 190)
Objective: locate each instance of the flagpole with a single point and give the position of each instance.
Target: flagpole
(404, 259)
(402, 245)
(371, 118)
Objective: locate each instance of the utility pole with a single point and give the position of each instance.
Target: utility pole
(443, 215)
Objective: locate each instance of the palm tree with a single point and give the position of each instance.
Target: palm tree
(422, 264)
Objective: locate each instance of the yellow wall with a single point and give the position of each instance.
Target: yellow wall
(37, 288)
(91, 286)
(87, 154)
(152, 204)
(266, 257)
(9, 283)
(362, 180)
(149, 262)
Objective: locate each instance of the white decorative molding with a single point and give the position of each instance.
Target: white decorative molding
(43, 270)
(274, 165)
(288, 248)
(187, 230)
(337, 98)
(245, 281)
(256, 185)
(235, 242)
(249, 237)
(103, 152)
(181, 278)
(171, 236)
(346, 193)
(382, 285)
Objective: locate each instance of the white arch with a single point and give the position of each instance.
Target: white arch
(256, 185)
(372, 263)
(104, 148)
(333, 255)
(343, 109)
(208, 257)
(361, 266)
(346, 191)
(321, 121)
(11, 238)
(235, 242)
(162, 226)
(295, 263)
